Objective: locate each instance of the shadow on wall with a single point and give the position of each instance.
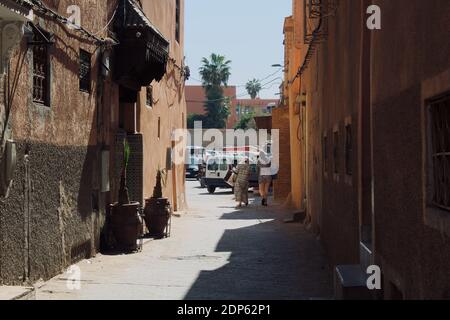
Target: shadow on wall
(269, 260)
(55, 190)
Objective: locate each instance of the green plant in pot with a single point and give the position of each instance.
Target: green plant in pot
(157, 208)
(126, 222)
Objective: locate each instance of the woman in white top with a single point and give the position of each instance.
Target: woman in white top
(264, 176)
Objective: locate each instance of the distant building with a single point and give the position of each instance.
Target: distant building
(195, 100)
(257, 107)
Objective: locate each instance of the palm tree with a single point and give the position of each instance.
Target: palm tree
(215, 73)
(253, 88)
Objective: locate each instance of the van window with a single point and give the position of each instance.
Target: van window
(224, 165)
(213, 166)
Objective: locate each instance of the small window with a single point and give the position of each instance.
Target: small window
(213, 166)
(224, 165)
(177, 20)
(159, 127)
(149, 96)
(85, 71)
(348, 149)
(440, 152)
(41, 67)
(336, 152)
(325, 154)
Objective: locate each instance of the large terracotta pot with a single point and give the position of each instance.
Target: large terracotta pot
(126, 225)
(157, 215)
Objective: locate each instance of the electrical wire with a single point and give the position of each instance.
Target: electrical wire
(244, 85)
(263, 87)
(108, 24)
(38, 6)
(225, 98)
(309, 52)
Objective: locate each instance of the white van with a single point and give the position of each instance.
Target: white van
(217, 168)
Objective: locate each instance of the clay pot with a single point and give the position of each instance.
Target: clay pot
(157, 215)
(126, 225)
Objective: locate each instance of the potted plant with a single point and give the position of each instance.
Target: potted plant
(158, 209)
(126, 222)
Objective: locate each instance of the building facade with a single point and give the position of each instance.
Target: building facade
(67, 102)
(369, 124)
(196, 98)
(257, 107)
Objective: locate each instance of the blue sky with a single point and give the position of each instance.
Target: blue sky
(247, 32)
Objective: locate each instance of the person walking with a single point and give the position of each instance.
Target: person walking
(264, 176)
(242, 172)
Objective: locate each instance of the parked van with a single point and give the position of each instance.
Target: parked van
(217, 168)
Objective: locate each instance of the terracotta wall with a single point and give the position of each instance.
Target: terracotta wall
(410, 64)
(282, 185)
(195, 101)
(169, 108)
(55, 210)
(377, 81)
(292, 62)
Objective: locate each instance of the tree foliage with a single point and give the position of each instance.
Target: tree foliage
(192, 118)
(246, 122)
(215, 73)
(253, 88)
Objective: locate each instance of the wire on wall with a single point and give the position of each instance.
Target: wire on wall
(41, 8)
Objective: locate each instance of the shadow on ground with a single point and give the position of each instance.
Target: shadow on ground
(269, 260)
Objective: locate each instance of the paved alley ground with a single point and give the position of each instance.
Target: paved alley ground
(215, 252)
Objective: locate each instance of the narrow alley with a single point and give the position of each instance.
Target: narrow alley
(215, 252)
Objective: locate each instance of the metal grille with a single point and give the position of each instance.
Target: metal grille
(440, 153)
(85, 71)
(135, 170)
(336, 152)
(348, 150)
(325, 154)
(150, 96)
(40, 69)
(316, 13)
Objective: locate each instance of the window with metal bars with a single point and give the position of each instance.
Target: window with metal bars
(348, 149)
(159, 127)
(325, 154)
(85, 71)
(336, 152)
(440, 151)
(177, 20)
(41, 68)
(149, 96)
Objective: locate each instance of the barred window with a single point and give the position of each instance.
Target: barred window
(440, 151)
(159, 127)
(177, 20)
(348, 149)
(149, 96)
(336, 152)
(41, 68)
(85, 71)
(325, 154)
